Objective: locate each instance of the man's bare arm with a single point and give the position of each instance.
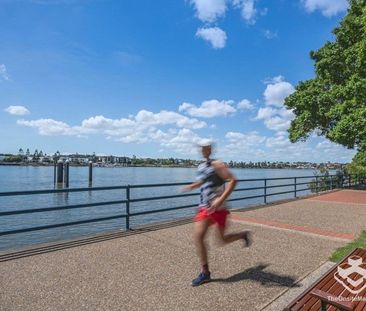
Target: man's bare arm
(192, 186)
(225, 174)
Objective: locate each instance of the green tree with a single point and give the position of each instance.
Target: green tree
(358, 165)
(13, 159)
(334, 103)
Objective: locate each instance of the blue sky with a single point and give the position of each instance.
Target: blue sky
(153, 78)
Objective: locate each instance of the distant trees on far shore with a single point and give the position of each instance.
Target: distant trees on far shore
(38, 157)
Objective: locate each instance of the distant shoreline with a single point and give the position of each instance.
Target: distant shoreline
(149, 166)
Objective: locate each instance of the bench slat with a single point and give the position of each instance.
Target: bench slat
(323, 296)
(326, 284)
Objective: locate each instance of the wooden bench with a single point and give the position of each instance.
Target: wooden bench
(328, 293)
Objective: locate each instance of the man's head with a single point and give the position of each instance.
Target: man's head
(206, 148)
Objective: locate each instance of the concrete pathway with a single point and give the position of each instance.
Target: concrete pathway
(152, 270)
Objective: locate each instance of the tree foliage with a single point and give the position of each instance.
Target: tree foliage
(358, 165)
(333, 104)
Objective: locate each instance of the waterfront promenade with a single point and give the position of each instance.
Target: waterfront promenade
(152, 268)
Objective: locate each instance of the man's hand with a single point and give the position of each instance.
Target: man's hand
(186, 188)
(192, 186)
(215, 205)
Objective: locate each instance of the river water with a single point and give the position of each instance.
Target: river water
(22, 178)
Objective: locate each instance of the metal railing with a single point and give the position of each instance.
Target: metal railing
(293, 185)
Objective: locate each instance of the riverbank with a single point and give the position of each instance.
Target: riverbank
(94, 165)
(150, 165)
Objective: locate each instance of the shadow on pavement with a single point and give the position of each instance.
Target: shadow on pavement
(258, 274)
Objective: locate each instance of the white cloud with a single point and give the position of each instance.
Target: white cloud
(279, 141)
(168, 117)
(209, 10)
(100, 122)
(275, 119)
(3, 73)
(141, 128)
(277, 123)
(209, 109)
(245, 104)
(328, 147)
(276, 91)
(328, 150)
(270, 34)
(17, 110)
(50, 127)
(266, 113)
(248, 139)
(326, 7)
(253, 146)
(275, 116)
(243, 146)
(274, 80)
(215, 35)
(248, 10)
(181, 141)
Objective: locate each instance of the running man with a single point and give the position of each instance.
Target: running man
(211, 178)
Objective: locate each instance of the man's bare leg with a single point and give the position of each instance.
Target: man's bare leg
(231, 237)
(200, 229)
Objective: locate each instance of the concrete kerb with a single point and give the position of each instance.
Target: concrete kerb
(55, 246)
(289, 294)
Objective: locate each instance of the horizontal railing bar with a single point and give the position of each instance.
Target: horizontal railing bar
(14, 193)
(159, 185)
(238, 180)
(302, 177)
(278, 193)
(298, 190)
(247, 189)
(164, 197)
(62, 225)
(32, 192)
(57, 208)
(246, 198)
(305, 183)
(278, 186)
(162, 210)
(283, 178)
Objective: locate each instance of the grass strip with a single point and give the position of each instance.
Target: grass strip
(341, 252)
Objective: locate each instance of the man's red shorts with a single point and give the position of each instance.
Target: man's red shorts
(217, 217)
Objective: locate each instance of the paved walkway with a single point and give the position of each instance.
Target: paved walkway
(152, 269)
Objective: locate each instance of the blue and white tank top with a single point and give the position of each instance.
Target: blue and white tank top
(212, 184)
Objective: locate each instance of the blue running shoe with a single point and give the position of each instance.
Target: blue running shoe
(202, 278)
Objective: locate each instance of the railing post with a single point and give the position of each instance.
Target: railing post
(295, 187)
(331, 182)
(128, 207)
(90, 164)
(67, 173)
(60, 171)
(54, 171)
(349, 181)
(265, 191)
(316, 184)
(341, 182)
